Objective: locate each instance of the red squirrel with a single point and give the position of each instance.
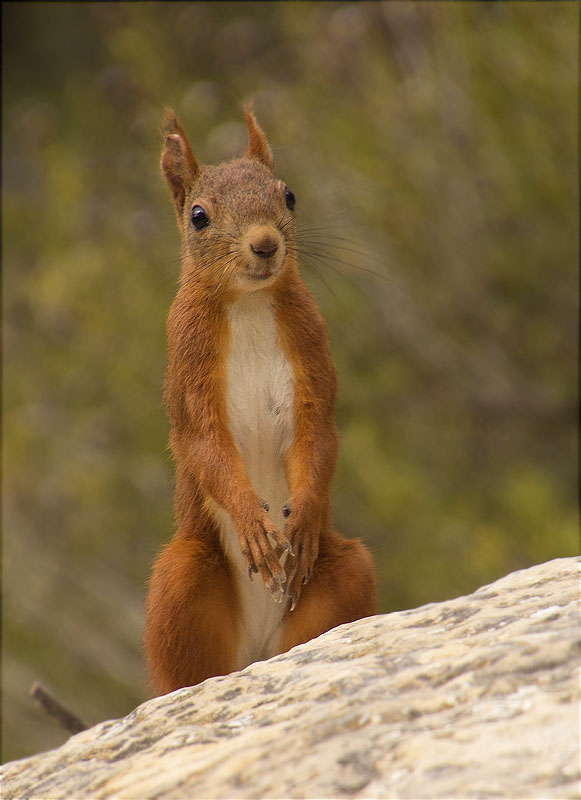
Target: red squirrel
(255, 566)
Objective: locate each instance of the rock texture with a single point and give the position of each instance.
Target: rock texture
(474, 697)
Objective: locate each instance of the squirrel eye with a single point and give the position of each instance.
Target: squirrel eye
(199, 218)
(289, 198)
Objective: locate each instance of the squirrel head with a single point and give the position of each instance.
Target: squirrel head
(236, 219)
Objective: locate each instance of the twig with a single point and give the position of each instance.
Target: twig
(69, 721)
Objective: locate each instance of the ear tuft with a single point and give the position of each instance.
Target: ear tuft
(258, 146)
(171, 123)
(178, 164)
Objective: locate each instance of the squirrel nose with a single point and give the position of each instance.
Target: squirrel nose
(264, 247)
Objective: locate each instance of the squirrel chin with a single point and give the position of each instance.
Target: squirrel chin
(251, 280)
(252, 283)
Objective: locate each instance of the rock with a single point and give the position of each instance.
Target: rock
(473, 697)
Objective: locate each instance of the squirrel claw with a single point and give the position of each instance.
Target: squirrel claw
(274, 586)
(294, 600)
(278, 595)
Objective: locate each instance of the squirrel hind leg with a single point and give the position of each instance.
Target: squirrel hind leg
(342, 589)
(191, 627)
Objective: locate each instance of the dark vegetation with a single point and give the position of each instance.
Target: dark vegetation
(432, 148)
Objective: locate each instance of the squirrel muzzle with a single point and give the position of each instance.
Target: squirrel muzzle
(263, 251)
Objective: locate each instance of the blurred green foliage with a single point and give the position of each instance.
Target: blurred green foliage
(433, 151)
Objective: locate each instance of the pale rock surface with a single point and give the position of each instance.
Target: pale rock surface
(475, 697)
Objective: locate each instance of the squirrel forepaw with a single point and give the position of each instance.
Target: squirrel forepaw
(300, 566)
(261, 544)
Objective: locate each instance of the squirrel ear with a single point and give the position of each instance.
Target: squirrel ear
(257, 143)
(178, 164)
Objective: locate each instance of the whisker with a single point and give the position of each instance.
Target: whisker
(322, 260)
(212, 269)
(167, 275)
(342, 211)
(318, 274)
(350, 264)
(226, 273)
(319, 241)
(302, 209)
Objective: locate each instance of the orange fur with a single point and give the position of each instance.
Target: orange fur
(194, 622)
(193, 584)
(342, 590)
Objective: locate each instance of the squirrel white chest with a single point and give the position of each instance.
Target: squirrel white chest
(260, 405)
(260, 387)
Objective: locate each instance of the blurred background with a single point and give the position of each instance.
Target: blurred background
(432, 148)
